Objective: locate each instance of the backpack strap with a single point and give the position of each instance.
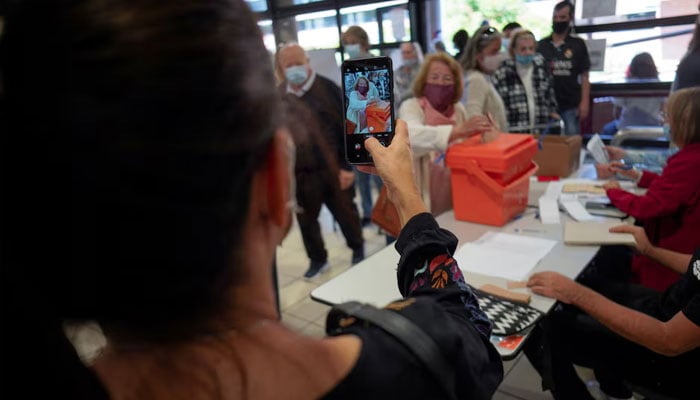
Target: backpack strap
(411, 335)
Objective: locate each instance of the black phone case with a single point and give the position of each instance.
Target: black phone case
(351, 70)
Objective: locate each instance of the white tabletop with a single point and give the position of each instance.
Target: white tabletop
(374, 280)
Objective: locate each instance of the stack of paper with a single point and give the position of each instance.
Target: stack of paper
(503, 255)
(595, 233)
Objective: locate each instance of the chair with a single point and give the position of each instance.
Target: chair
(640, 136)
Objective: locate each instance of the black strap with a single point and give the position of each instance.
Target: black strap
(411, 335)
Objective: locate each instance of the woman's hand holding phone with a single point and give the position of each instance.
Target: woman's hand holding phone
(394, 164)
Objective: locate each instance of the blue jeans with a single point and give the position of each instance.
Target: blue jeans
(571, 123)
(363, 182)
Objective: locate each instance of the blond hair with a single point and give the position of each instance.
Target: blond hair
(419, 83)
(481, 39)
(359, 34)
(683, 114)
(519, 34)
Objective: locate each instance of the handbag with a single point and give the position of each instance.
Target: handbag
(440, 186)
(385, 215)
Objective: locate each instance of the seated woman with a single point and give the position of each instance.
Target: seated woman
(364, 93)
(481, 59)
(159, 186)
(436, 118)
(624, 332)
(526, 86)
(670, 208)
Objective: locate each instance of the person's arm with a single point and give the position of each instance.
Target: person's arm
(476, 97)
(584, 105)
(426, 263)
(424, 138)
(355, 104)
(664, 196)
(671, 338)
(673, 260)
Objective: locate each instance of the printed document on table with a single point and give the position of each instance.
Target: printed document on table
(503, 255)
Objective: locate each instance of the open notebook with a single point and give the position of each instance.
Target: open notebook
(595, 233)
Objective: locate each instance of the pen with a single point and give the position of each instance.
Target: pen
(529, 230)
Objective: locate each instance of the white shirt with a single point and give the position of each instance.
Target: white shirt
(525, 73)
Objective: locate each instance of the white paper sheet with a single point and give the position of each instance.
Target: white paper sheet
(574, 208)
(597, 149)
(503, 255)
(549, 210)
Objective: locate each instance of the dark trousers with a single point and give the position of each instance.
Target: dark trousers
(315, 189)
(567, 336)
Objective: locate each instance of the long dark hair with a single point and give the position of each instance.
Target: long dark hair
(133, 129)
(642, 66)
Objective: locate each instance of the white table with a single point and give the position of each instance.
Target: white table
(373, 280)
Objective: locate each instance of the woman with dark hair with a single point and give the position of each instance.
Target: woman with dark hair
(152, 183)
(637, 111)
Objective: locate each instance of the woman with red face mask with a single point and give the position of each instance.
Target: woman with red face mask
(364, 94)
(436, 117)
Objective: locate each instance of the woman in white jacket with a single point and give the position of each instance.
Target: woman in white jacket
(436, 118)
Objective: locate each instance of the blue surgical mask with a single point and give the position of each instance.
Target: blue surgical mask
(667, 130)
(524, 59)
(353, 50)
(297, 74)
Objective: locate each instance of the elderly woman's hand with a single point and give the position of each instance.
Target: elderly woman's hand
(394, 164)
(611, 185)
(622, 169)
(604, 171)
(615, 153)
(475, 125)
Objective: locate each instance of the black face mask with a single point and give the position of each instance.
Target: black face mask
(560, 27)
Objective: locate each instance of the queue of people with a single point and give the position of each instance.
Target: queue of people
(211, 190)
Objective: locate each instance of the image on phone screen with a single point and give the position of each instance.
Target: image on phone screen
(368, 89)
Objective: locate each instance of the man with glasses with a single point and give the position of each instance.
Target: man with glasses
(567, 57)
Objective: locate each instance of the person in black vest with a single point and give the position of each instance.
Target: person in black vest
(625, 332)
(324, 124)
(567, 57)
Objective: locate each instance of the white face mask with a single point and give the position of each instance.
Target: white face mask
(297, 74)
(353, 50)
(491, 63)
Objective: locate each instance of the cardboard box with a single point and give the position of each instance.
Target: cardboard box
(559, 155)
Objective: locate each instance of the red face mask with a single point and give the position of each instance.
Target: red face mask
(439, 96)
(363, 90)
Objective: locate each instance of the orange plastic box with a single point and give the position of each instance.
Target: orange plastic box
(377, 116)
(490, 182)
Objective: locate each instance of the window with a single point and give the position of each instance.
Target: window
(257, 5)
(268, 36)
(318, 30)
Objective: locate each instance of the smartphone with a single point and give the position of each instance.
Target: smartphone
(368, 102)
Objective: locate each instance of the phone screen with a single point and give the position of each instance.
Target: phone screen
(368, 88)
